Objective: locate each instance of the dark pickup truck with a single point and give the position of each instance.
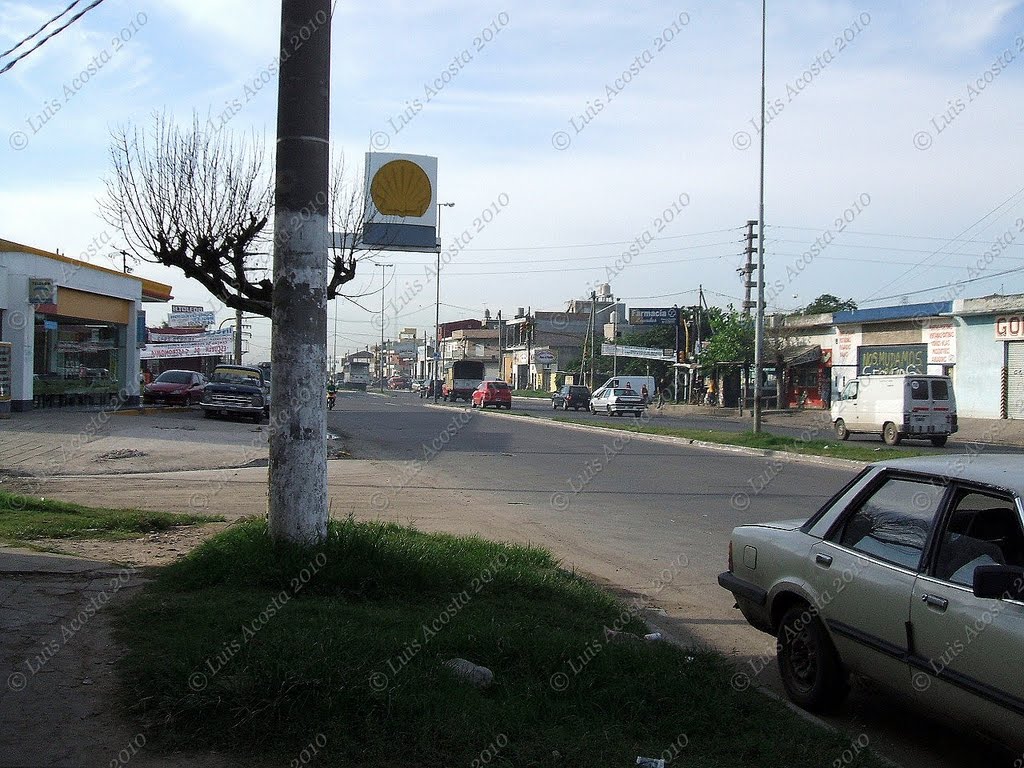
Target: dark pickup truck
(237, 390)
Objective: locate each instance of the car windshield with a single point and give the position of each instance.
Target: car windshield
(235, 376)
(174, 377)
(500, 385)
(620, 392)
(579, 391)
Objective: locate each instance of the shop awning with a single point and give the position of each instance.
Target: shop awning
(802, 355)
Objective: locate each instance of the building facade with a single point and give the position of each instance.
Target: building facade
(75, 328)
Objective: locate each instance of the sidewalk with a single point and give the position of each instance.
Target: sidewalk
(1006, 432)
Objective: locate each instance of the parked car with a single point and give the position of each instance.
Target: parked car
(237, 390)
(897, 407)
(573, 396)
(175, 388)
(615, 402)
(418, 385)
(496, 393)
(911, 576)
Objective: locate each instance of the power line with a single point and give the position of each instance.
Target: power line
(55, 32)
(24, 40)
(939, 251)
(941, 287)
(597, 245)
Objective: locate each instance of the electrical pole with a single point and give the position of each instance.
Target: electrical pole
(593, 331)
(238, 337)
(383, 285)
(759, 322)
(675, 367)
(297, 494)
(747, 270)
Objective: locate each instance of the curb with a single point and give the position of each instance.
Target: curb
(684, 441)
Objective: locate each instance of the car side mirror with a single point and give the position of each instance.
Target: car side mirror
(999, 582)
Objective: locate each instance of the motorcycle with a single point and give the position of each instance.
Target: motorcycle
(331, 397)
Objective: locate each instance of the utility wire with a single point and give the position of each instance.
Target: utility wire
(873, 297)
(24, 40)
(55, 32)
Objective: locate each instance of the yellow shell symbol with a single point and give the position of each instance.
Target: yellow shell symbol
(401, 188)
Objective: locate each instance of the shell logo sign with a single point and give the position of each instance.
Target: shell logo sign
(401, 202)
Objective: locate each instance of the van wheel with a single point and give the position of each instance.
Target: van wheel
(890, 434)
(939, 440)
(841, 431)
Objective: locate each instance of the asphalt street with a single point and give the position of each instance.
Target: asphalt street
(642, 516)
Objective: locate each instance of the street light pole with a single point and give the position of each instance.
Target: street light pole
(437, 303)
(382, 286)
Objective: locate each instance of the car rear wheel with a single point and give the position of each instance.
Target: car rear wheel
(809, 666)
(841, 431)
(939, 440)
(890, 434)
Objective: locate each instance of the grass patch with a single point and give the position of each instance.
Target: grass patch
(225, 653)
(765, 440)
(26, 518)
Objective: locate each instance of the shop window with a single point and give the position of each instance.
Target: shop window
(76, 359)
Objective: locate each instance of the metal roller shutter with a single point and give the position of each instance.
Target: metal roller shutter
(1015, 379)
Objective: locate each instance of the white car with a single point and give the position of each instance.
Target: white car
(912, 576)
(615, 402)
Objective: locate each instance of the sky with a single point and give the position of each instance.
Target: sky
(610, 142)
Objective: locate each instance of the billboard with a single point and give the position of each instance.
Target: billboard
(653, 316)
(401, 202)
(647, 353)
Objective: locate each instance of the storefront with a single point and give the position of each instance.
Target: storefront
(74, 328)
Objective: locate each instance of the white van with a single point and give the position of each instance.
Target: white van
(635, 383)
(898, 406)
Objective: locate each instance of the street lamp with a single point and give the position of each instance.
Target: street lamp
(437, 301)
(382, 286)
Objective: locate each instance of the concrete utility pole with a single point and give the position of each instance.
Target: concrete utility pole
(238, 337)
(759, 322)
(593, 332)
(383, 285)
(298, 346)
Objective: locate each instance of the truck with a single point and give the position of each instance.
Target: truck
(897, 406)
(461, 379)
(356, 375)
(237, 390)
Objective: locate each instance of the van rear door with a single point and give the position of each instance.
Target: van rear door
(928, 406)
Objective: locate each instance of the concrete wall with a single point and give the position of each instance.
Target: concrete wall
(977, 377)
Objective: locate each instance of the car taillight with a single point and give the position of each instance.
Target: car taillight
(730, 557)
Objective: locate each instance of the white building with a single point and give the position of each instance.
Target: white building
(74, 328)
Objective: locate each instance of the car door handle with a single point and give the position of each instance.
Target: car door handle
(932, 601)
(825, 560)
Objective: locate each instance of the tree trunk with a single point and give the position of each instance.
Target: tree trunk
(298, 448)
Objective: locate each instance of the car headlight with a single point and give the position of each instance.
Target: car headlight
(257, 401)
(206, 397)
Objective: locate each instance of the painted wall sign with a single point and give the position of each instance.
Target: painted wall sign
(1009, 327)
(897, 358)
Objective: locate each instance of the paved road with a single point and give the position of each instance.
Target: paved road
(631, 511)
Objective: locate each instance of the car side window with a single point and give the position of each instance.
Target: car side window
(894, 522)
(850, 393)
(982, 529)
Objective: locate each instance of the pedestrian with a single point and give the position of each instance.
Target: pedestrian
(644, 393)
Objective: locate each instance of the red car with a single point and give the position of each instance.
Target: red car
(175, 388)
(496, 393)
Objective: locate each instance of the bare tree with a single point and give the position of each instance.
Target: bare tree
(202, 200)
